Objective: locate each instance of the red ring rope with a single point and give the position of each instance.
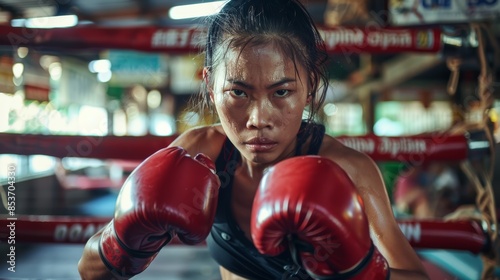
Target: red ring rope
(437, 147)
(182, 40)
(430, 234)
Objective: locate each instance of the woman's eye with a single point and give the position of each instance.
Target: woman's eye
(282, 92)
(237, 93)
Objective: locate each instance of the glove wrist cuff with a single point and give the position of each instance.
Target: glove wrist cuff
(373, 266)
(120, 259)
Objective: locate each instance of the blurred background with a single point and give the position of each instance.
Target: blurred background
(127, 68)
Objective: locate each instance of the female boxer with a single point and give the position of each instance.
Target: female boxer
(263, 72)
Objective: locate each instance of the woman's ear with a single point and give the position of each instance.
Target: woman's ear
(309, 98)
(206, 79)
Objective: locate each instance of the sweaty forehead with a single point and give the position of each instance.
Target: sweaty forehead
(268, 58)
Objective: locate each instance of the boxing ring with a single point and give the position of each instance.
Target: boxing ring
(475, 234)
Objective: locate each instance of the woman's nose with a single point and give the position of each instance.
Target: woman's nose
(260, 114)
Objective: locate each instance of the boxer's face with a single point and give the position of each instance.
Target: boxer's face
(260, 95)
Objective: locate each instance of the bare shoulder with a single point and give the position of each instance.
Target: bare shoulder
(360, 167)
(203, 139)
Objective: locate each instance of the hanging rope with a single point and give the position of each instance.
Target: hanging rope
(479, 173)
(454, 67)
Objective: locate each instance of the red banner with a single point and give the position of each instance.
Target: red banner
(439, 234)
(36, 92)
(377, 40)
(416, 149)
(425, 234)
(6, 75)
(102, 147)
(189, 40)
(50, 229)
(171, 40)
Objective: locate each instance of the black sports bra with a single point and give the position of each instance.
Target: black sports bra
(228, 244)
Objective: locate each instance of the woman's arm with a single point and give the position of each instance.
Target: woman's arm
(384, 230)
(227, 275)
(91, 265)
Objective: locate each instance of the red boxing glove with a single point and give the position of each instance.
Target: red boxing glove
(168, 194)
(310, 205)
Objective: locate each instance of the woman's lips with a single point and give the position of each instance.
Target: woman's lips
(260, 144)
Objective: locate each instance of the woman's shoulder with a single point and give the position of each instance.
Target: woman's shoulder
(202, 139)
(357, 164)
(334, 149)
(205, 131)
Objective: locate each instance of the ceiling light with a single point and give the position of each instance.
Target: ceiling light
(104, 77)
(46, 22)
(22, 52)
(55, 71)
(154, 99)
(195, 10)
(98, 66)
(18, 69)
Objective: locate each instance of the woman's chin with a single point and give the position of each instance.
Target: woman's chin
(262, 158)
